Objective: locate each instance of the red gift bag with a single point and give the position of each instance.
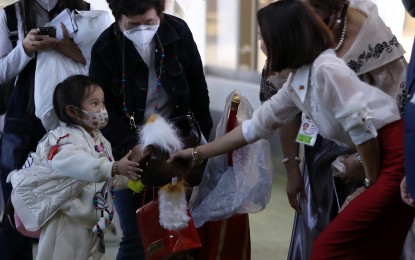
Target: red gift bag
(160, 243)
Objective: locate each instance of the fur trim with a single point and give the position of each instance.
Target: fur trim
(157, 131)
(173, 206)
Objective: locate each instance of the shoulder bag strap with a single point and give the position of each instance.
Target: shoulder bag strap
(12, 23)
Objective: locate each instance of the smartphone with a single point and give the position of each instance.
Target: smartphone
(50, 31)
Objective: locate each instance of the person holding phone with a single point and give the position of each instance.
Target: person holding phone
(47, 31)
(19, 42)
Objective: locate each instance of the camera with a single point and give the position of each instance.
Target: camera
(50, 31)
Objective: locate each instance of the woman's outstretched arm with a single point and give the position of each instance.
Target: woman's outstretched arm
(226, 143)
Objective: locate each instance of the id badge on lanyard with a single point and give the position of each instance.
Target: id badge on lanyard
(307, 134)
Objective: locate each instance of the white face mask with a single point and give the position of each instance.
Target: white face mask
(47, 4)
(96, 119)
(141, 35)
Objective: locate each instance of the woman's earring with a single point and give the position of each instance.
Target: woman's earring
(339, 20)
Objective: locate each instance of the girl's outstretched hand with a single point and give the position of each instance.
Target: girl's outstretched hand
(128, 168)
(186, 154)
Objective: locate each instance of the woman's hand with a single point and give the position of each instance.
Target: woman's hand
(186, 154)
(127, 168)
(357, 192)
(355, 172)
(295, 186)
(68, 47)
(405, 194)
(34, 42)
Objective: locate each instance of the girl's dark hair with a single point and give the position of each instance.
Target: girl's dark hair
(293, 35)
(71, 91)
(28, 8)
(134, 7)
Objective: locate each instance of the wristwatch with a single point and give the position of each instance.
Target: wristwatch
(367, 183)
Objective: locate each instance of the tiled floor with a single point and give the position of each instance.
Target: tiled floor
(271, 228)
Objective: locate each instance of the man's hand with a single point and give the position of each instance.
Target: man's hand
(405, 194)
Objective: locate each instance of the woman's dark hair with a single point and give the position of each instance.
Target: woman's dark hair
(293, 35)
(28, 8)
(330, 6)
(71, 91)
(134, 7)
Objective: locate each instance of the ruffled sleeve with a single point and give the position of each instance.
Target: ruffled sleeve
(342, 91)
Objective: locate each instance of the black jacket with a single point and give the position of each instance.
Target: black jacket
(182, 78)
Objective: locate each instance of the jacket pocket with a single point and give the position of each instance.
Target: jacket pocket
(174, 68)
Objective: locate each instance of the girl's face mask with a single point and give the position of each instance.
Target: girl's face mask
(95, 119)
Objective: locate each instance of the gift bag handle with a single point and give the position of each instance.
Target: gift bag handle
(144, 196)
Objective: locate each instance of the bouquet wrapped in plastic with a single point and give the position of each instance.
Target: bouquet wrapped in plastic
(239, 182)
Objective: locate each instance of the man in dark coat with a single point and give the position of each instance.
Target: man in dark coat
(146, 62)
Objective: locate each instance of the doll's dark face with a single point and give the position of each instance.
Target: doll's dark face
(157, 172)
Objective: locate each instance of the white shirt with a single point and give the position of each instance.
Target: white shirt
(345, 109)
(12, 61)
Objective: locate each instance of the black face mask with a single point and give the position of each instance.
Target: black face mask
(409, 6)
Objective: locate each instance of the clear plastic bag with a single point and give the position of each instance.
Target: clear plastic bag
(244, 187)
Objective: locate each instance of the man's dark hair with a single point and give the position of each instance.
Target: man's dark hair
(330, 6)
(293, 35)
(134, 7)
(409, 6)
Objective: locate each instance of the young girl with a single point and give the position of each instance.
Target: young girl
(375, 222)
(67, 189)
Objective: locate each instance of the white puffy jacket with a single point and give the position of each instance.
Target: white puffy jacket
(68, 182)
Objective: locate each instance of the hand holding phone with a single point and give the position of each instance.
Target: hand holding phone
(49, 31)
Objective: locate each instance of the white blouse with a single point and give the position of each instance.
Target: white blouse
(376, 55)
(12, 61)
(345, 109)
